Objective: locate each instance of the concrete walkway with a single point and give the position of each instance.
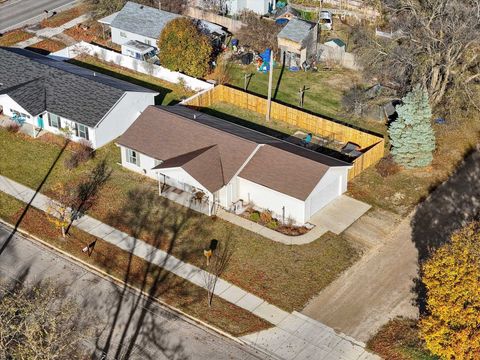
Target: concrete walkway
(47, 33)
(335, 217)
(298, 331)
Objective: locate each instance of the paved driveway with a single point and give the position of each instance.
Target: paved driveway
(338, 215)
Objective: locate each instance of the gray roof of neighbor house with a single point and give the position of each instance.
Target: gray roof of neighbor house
(142, 20)
(213, 150)
(148, 21)
(39, 83)
(296, 30)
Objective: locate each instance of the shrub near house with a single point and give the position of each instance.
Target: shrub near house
(194, 54)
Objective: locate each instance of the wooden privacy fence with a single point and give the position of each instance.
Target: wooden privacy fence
(371, 144)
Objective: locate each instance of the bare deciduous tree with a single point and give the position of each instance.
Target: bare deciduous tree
(437, 46)
(34, 325)
(216, 266)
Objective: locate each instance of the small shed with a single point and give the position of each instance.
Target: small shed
(336, 44)
(297, 42)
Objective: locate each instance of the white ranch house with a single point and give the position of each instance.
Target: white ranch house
(227, 165)
(53, 95)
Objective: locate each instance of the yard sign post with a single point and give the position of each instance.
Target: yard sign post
(270, 80)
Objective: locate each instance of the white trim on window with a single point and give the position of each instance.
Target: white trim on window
(82, 131)
(54, 121)
(132, 157)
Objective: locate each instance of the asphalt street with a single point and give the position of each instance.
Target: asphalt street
(16, 13)
(162, 333)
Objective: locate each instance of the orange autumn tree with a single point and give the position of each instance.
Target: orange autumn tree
(183, 47)
(451, 330)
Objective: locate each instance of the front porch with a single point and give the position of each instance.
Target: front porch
(190, 199)
(25, 127)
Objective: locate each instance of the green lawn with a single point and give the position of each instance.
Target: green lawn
(14, 36)
(169, 93)
(287, 276)
(323, 96)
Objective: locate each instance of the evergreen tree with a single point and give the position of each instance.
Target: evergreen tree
(411, 135)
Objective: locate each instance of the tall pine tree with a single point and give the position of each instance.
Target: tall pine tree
(411, 135)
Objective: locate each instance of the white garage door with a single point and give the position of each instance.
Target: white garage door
(324, 196)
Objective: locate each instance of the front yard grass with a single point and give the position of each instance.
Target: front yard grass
(170, 288)
(47, 46)
(399, 339)
(287, 276)
(169, 93)
(64, 16)
(15, 36)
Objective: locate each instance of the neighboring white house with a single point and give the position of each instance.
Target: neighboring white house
(230, 165)
(233, 7)
(145, 24)
(54, 95)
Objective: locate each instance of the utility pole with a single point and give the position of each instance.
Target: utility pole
(270, 81)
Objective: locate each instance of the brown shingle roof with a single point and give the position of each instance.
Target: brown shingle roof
(213, 150)
(204, 165)
(283, 171)
(165, 136)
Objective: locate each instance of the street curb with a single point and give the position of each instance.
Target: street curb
(36, 19)
(106, 276)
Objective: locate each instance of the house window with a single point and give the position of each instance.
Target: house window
(122, 34)
(132, 157)
(54, 121)
(81, 131)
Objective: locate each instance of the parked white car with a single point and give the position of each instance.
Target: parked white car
(326, 20)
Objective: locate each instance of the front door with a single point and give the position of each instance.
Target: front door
(40, 122)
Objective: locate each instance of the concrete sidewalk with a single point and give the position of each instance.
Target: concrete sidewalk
(47, 33)
(298, 330)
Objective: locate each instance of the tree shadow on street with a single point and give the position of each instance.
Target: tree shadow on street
(133, 329)
(450, 206)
